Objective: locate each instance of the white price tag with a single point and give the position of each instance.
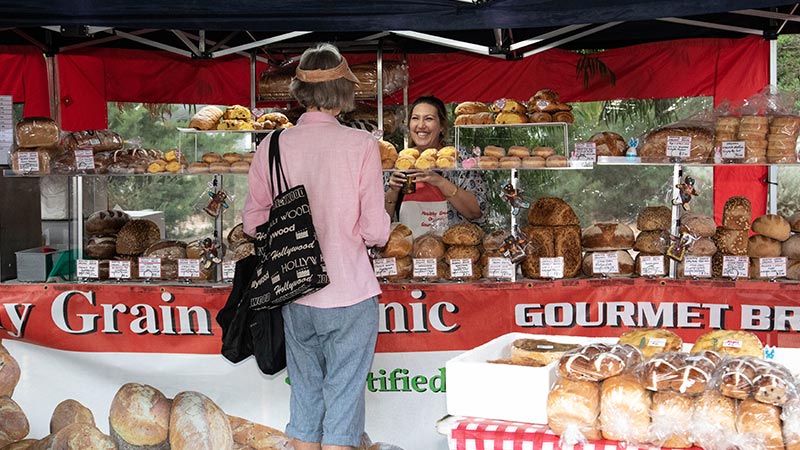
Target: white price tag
(119, 269)
(425, 267)
(651, 266)
(585, 151)
(604, 263)
(149, 267)
(501, 268)
(679, 146)
(385, 267)
(657, 342)
(461, 268)
(772, 267)
(732, 150)
(731, 343)
(88, 268)
(697, 266)
(551, 267)
(84, 159)
(188, 268)
(228, 270)
(28, 161)
(735, 266)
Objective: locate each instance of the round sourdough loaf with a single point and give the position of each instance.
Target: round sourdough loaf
(698, 225)
(607, 236)
(790, 248)
(471, 252)
(136, 235)
(651, 242)
(197, 423)
(772, 226)
(139, 416)
(654, 218)
(551, 211)
(108, 221)
(13, 422)
(9, 373)
(608, 143)
(794, 221)
(68, 412)
(427, 246)
(760, 246)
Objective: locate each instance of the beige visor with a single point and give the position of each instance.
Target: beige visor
(320, 75)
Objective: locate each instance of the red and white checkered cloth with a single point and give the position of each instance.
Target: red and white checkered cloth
(471, 433)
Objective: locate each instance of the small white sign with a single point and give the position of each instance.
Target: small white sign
(772, 267)
(119, 269)
(188, 268)
(551, 267)
(88, 268)
(735, 266)
(461, 268)
(604, 263)
(425, 267)
(657, 342)
(84, 159)
(6, 127)
(28, 161)
(697, 266)
(501, 268)
(731, 343)
(585, 151)
(679, 146)
(385, 267)
(732, 150)
(149, 267)
(651, 266)
(228, 270)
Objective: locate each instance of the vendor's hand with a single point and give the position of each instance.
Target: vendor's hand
(429, 177)
(396, 181)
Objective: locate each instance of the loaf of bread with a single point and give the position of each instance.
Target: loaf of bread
(652, 340)
(76, 436)
(790, 416)
(106, 222)
(790, 248)
(36, 132)
(624, 409)
(772, 226)
(95, 140)
(471, 252)
(567, 244)
(22, 161)
(257, 436)
(698, 225)
(702, 247)
(139, 417)
(651, 242)
(625, 264)
(760, 425)
(736, 214)
(794, 221)
(654, 218)
(573, 407)
(9, 373)
(206, 118)
(464, 233)
(731, 242)
(13, 422)
(654, 148)
(25, 444)
(734, 377)
(540, 245)
(551, 211)
(607, 236)
(671, 417)
(695, 373)
(608, 143)
(540, 351)
(428, 246)
(659, 371)
(773, 383)
(197, 423)
(405, 268)
(596, 362)
(475, 269)
(101, 247)
(68, 412)
(730, 342)
(136, 235)
(714, 420)
(470, 108)
(544, 100)
(481, 118)
(399, 243)
(760, 246)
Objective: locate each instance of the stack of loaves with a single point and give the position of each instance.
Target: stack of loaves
(702, 229)
(609, 240)
(731, 238)
(782, 140)
(102, 228)
(398, 247)
(473, 113)
(653, 223)
(545, 106)
(553, 231)
(134, 239)
(771, 230)
(463, 253)
(791, 248)
(36, 138)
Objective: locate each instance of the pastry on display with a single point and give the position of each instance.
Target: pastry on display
(608, 143)
(481, 118)
(400, 242)
(730, 342)
(206, 118)
(597, 362)
(470, 108)
(506, 118)
(540, 351)
(388, 154)
(652, 341)
(556, 161)
(545, 100)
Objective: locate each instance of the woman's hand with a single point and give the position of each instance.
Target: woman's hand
(396, 181)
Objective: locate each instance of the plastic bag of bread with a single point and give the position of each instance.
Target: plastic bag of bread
(573, 408)
(36, 132)
(759, 425)
(395, 78)
(95, 140)
(624, 409)
(671, 420)
(714, 421)
(688, 141)
(790, 416)
(596, 362)
(773, 383)
(428, 253)
(30, 161)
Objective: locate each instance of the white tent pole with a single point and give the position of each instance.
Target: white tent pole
(772, 171)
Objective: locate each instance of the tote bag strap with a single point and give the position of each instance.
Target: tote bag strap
(275, 169)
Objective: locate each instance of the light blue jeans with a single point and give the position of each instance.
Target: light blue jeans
(329, 354)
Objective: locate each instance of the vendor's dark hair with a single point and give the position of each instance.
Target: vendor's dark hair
(331, 94)
(441, 111)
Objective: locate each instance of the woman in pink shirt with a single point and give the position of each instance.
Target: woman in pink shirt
(331, 333)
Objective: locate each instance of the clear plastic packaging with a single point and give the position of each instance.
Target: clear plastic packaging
(596, 362)
(95, 140)
(33, 132)
(573, 408)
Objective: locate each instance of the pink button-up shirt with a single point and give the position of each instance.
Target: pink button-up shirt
(341, 170)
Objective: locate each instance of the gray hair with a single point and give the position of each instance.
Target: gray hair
(333, 94)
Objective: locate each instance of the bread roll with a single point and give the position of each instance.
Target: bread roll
(556, 161)
(488, 162)
(658, 372)
(206, 118)
(551, 211)
(106, 222)
(532, 162)
(519, 151)
(735, 376)
(573, 408)
(257, 436)
(139, 417)
(197, 423)
(470, 108)
(794, 221)
(790, 248)
(540, 351)
(544, 152)
(624, 409)
(652, 341)
(696, 372)
(36, 132)
(608, 143)
(219, 167)
(197, 167)
(607, 236)
(427, 246)
(730, 342)
(760, 425)
(13, 422)
(596, 362)
(76, 436)
(714, 420)
(240, 167)
(736, 214)
(671, 416)
(9, 373)
(773, 383)
(68, 412)
(772, 226)
(625, 264)
(731, 242)
(510, 162)
(698, 225)
(763, 247)
(654, 218)
(494, 151)
(651, 242)
(211, 157)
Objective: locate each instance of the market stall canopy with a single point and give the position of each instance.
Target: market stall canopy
(503, 28)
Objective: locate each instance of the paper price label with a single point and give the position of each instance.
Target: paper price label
(84, 159)
(461, 268)
(772, 267)
(735, 266)
(585, 151)
(697, 266)
(679, 146)
(88, 268)
(551, 267)
(119, 269)
(657, 342)
(384, 267)
(28, 161)
(228, 270)
(188, 268)
(732, 150)
(424, 267)
(149, 267)
(605, 263)
(732, 343)
(650, 266)
(501, 268)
